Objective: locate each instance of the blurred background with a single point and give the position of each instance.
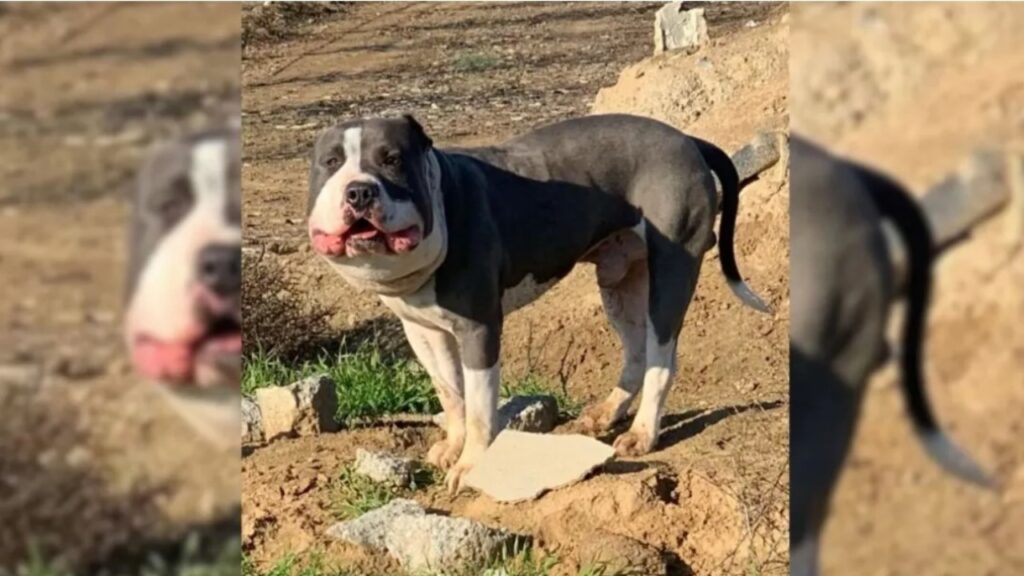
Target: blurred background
(96, 474)
(913, 89)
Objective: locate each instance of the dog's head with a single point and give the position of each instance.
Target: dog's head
(183, 322)
(374, 199)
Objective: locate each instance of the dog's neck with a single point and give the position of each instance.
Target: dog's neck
(405, 275)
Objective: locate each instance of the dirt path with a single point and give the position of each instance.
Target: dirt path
(93, 459)
(713, 498)
(913, 90)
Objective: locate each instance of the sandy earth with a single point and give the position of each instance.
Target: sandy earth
(913, 89)
(90, 462)
(713, 498)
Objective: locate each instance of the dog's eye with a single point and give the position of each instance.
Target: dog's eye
(332, 162)
(175, 203)
(392, 159)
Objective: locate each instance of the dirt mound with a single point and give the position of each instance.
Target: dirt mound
(741, 71)
(913, 90)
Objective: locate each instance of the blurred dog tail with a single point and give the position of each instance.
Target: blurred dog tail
(722, 166)
(894, 203)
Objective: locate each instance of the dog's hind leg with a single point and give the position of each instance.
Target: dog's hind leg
(673, 273)
(438, 352)
(626, 305)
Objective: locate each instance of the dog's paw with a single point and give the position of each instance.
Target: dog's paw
(444, 454)
(634, 443)
(595, 419)
(456, 477)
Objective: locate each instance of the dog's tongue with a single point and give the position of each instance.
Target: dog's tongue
(163, 361)
(404, 240)
(328, 243)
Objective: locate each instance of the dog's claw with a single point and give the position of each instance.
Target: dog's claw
(633, 443)
(443, 454)
(455, 479)
(594, 420)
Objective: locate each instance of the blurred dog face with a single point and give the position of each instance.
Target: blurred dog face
(183, 320)
(374, 198)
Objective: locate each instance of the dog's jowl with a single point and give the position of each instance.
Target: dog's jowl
(453, 240)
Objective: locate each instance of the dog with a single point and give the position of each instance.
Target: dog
(842, 288)
(455, 240)
(183, 308)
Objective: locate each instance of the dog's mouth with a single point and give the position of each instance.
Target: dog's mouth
(364, 236)
(216, 349)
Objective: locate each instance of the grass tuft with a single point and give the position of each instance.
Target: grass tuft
(368, 384)
(474, 62)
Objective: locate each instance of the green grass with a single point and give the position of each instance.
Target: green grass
(191, 561)
(368, 385)
(474, 62)
(291, 565)
(371, 385)
(353, 494)
(516, 563)
(531, 384)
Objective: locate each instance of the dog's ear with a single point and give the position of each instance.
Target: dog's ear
(418, 131)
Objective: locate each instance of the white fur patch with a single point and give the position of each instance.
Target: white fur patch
(661, 368)
(481, 396)
(161, 305)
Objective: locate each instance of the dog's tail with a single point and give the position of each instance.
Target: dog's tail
(722, 166)
(895, 204)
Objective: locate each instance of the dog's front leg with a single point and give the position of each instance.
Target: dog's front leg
(438, 352)
(479, 346)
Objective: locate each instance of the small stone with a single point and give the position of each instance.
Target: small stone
(520, 466)
(252, 422)
(529, 413)
(279, 412)
(371, 528)
(676, 28)
(425, 542)
(304, 408)
(317, 400)
(385, 468)
(537, 413)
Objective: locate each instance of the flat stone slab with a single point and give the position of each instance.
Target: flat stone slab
(425, 543)
(521, 466)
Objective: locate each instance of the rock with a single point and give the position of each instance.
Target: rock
(529, 413)
(305, 408)
(317, 399)
(279, 412)
(385, 468)
(676, 28)
(371, 529)
(252, 422)
(424, 542)
(537, 413)
(442, 543)
(520, 466)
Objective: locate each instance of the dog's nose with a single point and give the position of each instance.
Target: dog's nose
(359, 195)
(220, 269)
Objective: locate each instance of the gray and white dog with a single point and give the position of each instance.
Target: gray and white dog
(454, 240)
(183, 319)
(842, 287)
